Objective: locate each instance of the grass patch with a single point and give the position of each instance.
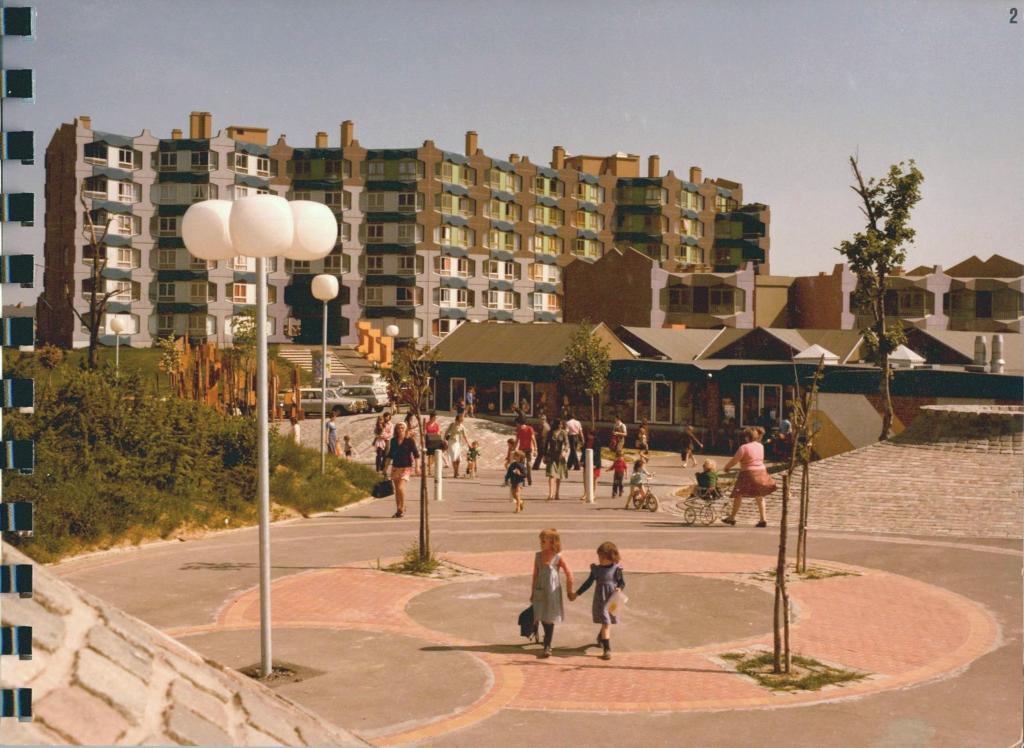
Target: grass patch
(298, 483)
(411, 563)
(812, 573)
(806, 674)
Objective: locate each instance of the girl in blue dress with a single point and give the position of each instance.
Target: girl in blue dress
(546, 594)
(607, 574)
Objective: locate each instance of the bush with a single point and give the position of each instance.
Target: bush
(113, 464)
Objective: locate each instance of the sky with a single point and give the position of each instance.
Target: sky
(775, 95)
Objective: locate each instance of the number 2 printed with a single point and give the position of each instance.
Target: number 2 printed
(1013, 15)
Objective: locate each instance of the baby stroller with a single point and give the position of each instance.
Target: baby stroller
(706, 505)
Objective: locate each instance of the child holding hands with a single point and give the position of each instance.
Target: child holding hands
(607, 574)
(546, 594)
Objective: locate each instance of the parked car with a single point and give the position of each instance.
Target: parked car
(379, 385)
(376, 398)
(337, 402)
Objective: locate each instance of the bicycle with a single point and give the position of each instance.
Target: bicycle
(642, 497)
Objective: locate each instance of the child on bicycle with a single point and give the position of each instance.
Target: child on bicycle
(636, 480)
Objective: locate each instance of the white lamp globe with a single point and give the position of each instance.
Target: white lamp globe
(118, 324)
(204, 229)
(261, 226)
(325, 287)
(391, 331)
(316, 230)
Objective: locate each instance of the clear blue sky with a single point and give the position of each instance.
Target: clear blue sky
(773, 95)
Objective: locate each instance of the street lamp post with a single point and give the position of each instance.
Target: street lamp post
(117, 326)
(261, 226)
(325, 288)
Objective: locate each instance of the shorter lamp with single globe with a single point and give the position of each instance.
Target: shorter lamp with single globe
(324, 288)
(117, 325)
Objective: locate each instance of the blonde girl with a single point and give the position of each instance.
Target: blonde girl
(546, 588)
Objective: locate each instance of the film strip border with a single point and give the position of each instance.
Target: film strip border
(17, 86)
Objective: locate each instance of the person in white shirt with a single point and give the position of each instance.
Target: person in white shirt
(296, 434)
(574, 429)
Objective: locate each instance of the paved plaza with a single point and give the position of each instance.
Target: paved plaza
(933, 622)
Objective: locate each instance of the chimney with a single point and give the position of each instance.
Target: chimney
(347, 133)
(176, 134)
(471, 142)
(207, 124)
(558, 157)
(998, 364)
(653, 166)
(980, 350)
(695, 175)
(321, 140)
(85, 121)
(513, 158)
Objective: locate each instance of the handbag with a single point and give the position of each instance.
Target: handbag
(383, 489)
(434, 442)
(527, 626)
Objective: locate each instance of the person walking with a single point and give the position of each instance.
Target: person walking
(546, 587)
(687, 443)
(383, 442)
(619, 434)
(556, 467)
(515, 476)
(432, 440)
(296, 432)
(404, 454)
(471, 402)
(527, 444)
(618, 473)
(573, 429)
(754, 481)
(643, 437)
(457, 440)
(607, 574)
(541, 434)
(332, 435)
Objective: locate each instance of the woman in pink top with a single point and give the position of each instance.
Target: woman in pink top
(754, 481)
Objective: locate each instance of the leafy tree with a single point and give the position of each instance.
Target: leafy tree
(878, 252)
(586, 367)
(410, 380)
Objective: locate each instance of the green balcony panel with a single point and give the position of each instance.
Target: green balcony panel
(19, 146)
(19, 84)
(18, 331)
(16, 578)
(17, 269)
(19, 393)
(19, 206)
(18, 454)
(18, 22)
(16, 516)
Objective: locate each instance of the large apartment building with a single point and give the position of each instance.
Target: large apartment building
(427, 239)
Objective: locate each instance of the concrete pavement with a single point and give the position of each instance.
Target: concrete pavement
(935, 623)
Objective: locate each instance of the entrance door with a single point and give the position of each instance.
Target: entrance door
(456, 391)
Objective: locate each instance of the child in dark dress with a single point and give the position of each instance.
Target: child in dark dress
(608, 576)
(515, 476)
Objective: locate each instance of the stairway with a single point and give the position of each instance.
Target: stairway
(302, 358)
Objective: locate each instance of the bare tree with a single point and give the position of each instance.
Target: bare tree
(410, 379)
(92, 318)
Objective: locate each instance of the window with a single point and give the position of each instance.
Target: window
(201, 161)
(165, 292)
(591, 193)
(345, 230)
(410, 232)
(444, 326)
(126, 257)
(262, 166)
(271, 294)
(456, 236)
(587, 248)
(453, 267)
(199, 324)
(457, 298)
(585, 219)
(372, 295)
(335, 264)
(546, 302)
(544, 244)
(242, 264)
(240, 190)
(239, 162)
(374, 233)
(547, 215)
(760, 403)
(680, 299)
(128, 192)
(455, 173)
(653, 401)
(541, 273)
(240, 294)
(721, 204)
(166, 259)
(164, 325)
(301, 168)
(95, 153)
(375, 169)
(721, 300)
(303, 195)
(501, 270)
(409, 265)
(547, 186)
(333, 200)
(201, 292)
(504, 181)
(691, 200)
(408, 296)
(409, 202)
(167, 162)
(203, 192)
(126, 225)
(502, 210)
(516, 394)
(409, 169)
(375, 200)
(195, 263)
(655, 196)
(454, 205)
(500, 300)
(297, 267)
(126, 158)
(167, 226)
(374, 265)
(505, 240)
(332, 167)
